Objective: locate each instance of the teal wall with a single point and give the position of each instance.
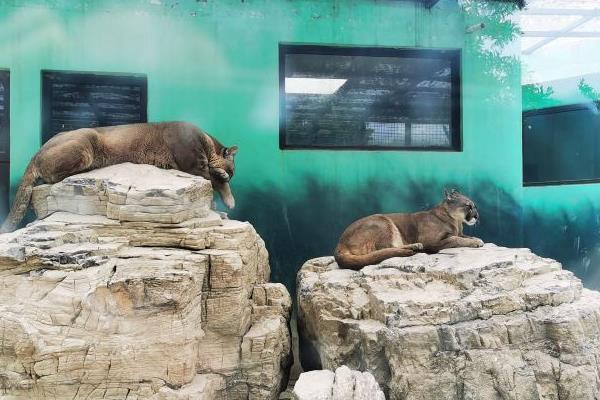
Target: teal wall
(215, 63)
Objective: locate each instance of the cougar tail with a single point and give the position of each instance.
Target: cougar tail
(21, 202)
(357, 261)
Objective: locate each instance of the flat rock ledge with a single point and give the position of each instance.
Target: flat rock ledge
(343, 384)
(476, 324)
(130, 287)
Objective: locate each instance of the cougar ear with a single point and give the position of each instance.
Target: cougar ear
(447, 194)
(450, 194)
(231, 151)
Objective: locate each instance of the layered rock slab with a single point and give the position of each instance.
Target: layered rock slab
(462, 324)
(130, 287)
(343, 384)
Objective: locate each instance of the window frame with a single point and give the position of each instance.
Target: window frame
(5, 159)
(453, 55)
(552, 110)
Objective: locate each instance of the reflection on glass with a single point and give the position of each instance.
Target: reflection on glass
(313, 85)
(561, 90)
(370, 98)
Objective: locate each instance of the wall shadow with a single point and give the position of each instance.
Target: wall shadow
(569, 236)
(307, 224)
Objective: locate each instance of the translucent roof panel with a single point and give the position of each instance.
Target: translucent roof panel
(547, 22)
(560, 41)
(590, 26)
(555, 20)
(569, 45)
(528, 42)
(577, 4)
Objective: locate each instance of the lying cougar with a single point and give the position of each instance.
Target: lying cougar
(176, 145)
(375, 238)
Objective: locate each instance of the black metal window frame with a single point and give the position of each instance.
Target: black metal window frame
(552, 110)
(81, 76)
(6, 73)
(452, 55)
(5, 158)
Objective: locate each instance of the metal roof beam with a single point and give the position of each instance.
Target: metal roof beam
(595, 12)
(560, 34)
(556, 34)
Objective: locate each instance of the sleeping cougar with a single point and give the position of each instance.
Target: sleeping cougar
(176, 145)
(375, 238)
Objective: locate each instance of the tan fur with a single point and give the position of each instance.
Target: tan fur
(176, 145)
(375, 238)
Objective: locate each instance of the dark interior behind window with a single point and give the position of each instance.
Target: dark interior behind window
(561, 145)
(369, 98)
(4, 141)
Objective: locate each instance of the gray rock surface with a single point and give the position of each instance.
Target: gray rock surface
(488, 323)
(130, 287)
(344, 384)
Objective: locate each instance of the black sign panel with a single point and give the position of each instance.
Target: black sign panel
(4, 188)
(73, 100)
(4, 116)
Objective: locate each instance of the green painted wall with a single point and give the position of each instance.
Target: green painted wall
(215, 63)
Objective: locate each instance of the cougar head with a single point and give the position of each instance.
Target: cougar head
(227, 161)
(460, 207)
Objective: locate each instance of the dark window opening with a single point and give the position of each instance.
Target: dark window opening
(561, 145)
(369, 98)
(73, 100)
(4, 142)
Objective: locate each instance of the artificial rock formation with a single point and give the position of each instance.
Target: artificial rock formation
(477, 324)
(130, 287)
(344, 384)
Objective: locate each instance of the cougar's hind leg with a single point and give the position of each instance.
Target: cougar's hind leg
(396, 241)
(22, 198)
(62, 156)
(396, 237)
(68, 159)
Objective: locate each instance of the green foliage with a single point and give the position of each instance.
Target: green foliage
(588, 91)
(494, 45)
(537, 95)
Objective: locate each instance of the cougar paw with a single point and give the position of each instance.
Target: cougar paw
(220, 174)
(229, 202)
(416, 246)
(477, 242)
